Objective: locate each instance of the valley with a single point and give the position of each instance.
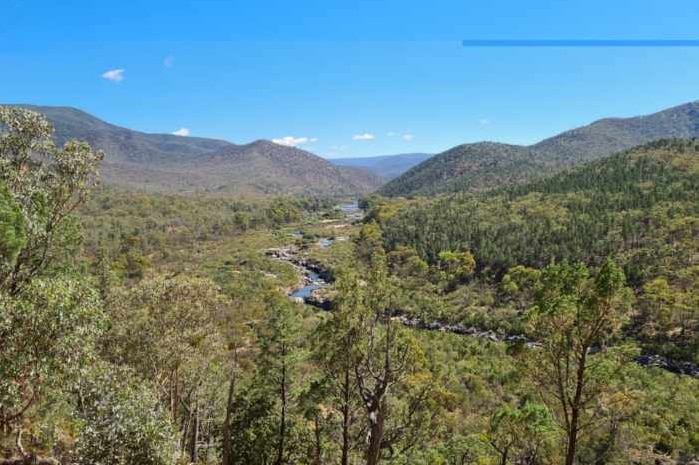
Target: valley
(316, 281)
(320, 319)
(349, 232)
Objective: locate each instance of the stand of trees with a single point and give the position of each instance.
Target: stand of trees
(112, 352)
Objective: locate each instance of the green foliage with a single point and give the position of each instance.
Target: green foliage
(456, 266)
(485, 165)
(121, 421)
(614, 206)
(47, 183)
(187, 349)
(521, 433)
(45, 336)
(267, 425)
(369, 241)
(136, 234)
(639, 207)
(574, 315)
(12, 236)
(162, 324)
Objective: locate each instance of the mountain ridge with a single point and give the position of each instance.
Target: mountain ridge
(467, 167)
(183, 164)
(386, 166)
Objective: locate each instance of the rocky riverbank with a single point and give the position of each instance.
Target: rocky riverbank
(315, 278)
(649, 360)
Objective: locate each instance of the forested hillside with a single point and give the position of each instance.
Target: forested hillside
(640, 207)
(487, 165)
(503, 328)
(167, 163)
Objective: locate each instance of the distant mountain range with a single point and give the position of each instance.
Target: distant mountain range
(169, 163)
(486, 165)
(386, 166)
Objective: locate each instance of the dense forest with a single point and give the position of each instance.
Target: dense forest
(640, 207)
(153, 329)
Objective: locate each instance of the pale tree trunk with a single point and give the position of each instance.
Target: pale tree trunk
(376, 423)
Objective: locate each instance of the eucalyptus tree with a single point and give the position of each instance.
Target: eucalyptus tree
(385, 355)
(167, 330)
(281, 353)
(49, 321)
(48, 183)
(576, 317)
(335, 342)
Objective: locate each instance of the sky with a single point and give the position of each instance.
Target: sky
(346, 78)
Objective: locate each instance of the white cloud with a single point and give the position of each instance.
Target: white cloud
(182, 132)
(364, 136)
(115, 75)
(291, 141)
(169, 61)
(407, 137)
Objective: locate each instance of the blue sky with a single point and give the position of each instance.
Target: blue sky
(343, 78)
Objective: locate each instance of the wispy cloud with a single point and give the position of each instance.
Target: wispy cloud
(291, 141)
(182, 132)
(169, 61)
(114, 75)
(364, 136)
(407, 137)
(391, 134)
(484, 122)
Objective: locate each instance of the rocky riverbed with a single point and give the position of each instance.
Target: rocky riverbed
(315, 278)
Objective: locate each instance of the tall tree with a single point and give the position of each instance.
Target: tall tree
(335, 343)
(574, 316)
(236, 325)
(48, 183)
(280, 354)
(385, 355)
(48, 322)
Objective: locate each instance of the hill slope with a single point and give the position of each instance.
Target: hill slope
(641, 206)
(123, 145)
(169, 163)
(483, 166)
(386, 166)
(269, 168)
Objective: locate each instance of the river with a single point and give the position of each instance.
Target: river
(317, 278)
